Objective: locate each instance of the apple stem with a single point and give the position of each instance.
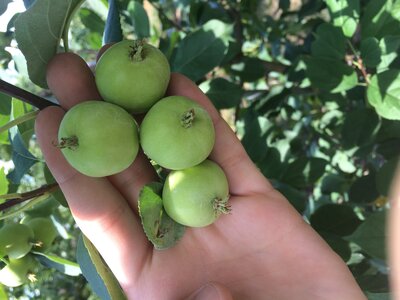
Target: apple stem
(221, 205)
(188, 118)
(68, 142)
(136, 53)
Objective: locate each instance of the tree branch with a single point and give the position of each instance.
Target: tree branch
(20, 198)
(24, 95)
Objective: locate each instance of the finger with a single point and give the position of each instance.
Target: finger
(102, 50)
(212, 291)
(98, 208)
(72, 82)
(228, 152)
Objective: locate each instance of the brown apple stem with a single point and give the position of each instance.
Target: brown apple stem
(68, 142)
(188, 118)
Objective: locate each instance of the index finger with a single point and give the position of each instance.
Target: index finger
(228, 152)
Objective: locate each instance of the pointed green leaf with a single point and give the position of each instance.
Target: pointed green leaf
(140, 20)
(3, 183)
(3, 6)
(19, 138)
(304, 171)
(58, 194)
(380, 18)
(385, 176)
(329, 43)
(345, 14)
(223, 93)
(5, 110)
(92, 21)
(370, 52)
(38, 32)
(331, 75)
(63, 265)
(389, 46)
(371, 235)
(159, 228)
(383, 93)
(201, 51)
(113, 30)
(364, 190)
(96, 272)
(339, 219)
(360, 127)
(378, 296)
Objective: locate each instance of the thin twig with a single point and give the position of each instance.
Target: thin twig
(24, 95)
(22, 197)
(359, 63)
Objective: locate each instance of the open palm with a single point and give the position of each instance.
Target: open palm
(262, 250)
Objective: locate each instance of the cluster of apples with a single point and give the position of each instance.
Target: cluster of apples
(101, 138)
(17, 241)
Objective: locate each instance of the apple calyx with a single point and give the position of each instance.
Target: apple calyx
(68, 142)
(188, 118)
(221, 206)
(136, 51)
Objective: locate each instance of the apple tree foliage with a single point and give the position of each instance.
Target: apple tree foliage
(312, 89)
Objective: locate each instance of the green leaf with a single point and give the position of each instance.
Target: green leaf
(223, 93)
(249, 69)
(296, 197)
(330, 75)
(389, 46)
(5, 110)
(22, 158)
(91, 21)
(28, 3)
(38, 32)
(3, 6)
(3, 294)
(58, 194)
(202, 12)
(339, 219)
(329, 43)
(304, 171)
(345, 14)
(385, 176)
(370, 52)
(96, 272)
(380, 18)
(378, 296)
(344, 161)
(63, 265)
(140, 20)
(360, 127)
(334, 183)
(113, 30)
(371, 235)
(383, 94)
(363, 189)
(255, 129)
(201, 51)
(160, 229)
(338, 244)
(3, 183)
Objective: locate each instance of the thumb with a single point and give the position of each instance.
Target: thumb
(211, 291)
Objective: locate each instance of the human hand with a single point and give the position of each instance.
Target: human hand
(262, 250)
